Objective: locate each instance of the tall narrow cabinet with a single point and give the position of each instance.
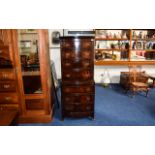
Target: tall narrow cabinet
(77, 66)
(30, 65)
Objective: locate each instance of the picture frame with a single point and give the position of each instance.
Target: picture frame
(54, 37)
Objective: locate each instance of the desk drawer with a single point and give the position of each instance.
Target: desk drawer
(4, 52)
(7, 74)
(78, 89)
(73, 64)
(78, 107)
(77, 75)
(7, 86)
(8, 98)
(72, 54)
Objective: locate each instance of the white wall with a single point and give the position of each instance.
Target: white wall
(55, 56)
(114, 71)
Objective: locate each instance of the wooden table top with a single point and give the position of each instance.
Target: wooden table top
(7, 116)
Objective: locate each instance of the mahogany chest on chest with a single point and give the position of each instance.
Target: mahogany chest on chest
(77, 65)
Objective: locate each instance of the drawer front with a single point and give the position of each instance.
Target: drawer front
(72, 54)
(4, 52)
(7, 75)
(78, 108)
(8, 98)
(78, 98)
(79, 114)
(73, 64)
(7, 86)
(77, 44)
(78, 89)
(81, 75)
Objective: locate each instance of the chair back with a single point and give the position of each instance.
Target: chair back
(134, 73)
(137, 75)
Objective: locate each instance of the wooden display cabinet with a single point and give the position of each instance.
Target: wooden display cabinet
(26, 74)
(124, 47)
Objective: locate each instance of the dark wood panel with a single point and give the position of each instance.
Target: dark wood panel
(82, 98)
(77, 62)
(77, 75)
(78, 89)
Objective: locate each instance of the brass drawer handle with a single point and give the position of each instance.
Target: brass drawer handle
(88, 98)
(68, 75)
(77, 103)
(6, 86)
(5, 76)
(67, 64)
(7, 98)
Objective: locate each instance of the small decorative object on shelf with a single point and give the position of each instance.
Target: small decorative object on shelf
(125, 46)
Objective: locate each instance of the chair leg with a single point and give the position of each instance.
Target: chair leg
(147, 93)
(133, 93)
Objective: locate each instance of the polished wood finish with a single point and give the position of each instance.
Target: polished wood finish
(7, 74)
(9, 98)
(77, 63)
(32, 107)
(125, 63)
(8, 117)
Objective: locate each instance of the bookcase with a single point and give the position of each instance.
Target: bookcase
(25, 75)
(124, 46)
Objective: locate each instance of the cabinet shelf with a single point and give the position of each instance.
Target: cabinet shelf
(111, 39)
(123, 62)
(149, 39)
(103, 49)
(28, 33)
(130, 37)
(142, 50)
(33, 96)
(31, 73)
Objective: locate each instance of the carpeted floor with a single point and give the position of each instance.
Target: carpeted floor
(113, 108)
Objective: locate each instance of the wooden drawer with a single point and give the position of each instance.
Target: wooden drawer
(8, 98)
(7, 74)
(7, 86)
(77, 44)
(73, 64)
(78, 89)
(81, 98)
(77, 75)
(4, 52)
(78, 107)
(79, 114)
(72, 54)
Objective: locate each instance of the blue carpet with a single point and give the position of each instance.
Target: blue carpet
(113, 108)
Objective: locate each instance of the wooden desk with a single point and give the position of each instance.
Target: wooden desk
(7, 117)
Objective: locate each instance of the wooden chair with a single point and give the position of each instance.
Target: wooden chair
(138, 80)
